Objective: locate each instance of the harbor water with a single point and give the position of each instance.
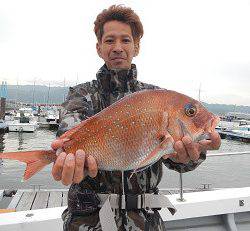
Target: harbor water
(219, 171)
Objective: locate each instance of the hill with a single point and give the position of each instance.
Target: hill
(44, 94)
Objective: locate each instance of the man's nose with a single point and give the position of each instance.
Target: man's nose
(117, 47)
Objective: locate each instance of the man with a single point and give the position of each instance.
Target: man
(118, 30)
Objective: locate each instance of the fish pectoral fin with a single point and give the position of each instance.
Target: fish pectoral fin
(146, 160)
(166, 141)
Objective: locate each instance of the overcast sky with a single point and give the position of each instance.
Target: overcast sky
(186, 44)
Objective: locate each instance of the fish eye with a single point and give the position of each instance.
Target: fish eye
(190, 110)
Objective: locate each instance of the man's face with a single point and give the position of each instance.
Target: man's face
(117, 47)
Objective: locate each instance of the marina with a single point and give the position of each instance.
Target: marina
(40, 201)
(28, 119)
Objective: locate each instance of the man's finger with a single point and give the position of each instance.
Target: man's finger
(58, 143)
(58, 166)
(59, 151)
(68, 169)
(182, 155)
(171, 155)
(216, 140)
(191, 147)
(205, 145)
(79, 166)
(212, 144)
(92, 166)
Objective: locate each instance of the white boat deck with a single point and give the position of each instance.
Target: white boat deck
(219, 210)
(213, 210)
(27, 199)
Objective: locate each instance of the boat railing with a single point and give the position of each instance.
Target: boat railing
(228, 153)
(206, 186)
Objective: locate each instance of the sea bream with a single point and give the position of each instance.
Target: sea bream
(132, 133)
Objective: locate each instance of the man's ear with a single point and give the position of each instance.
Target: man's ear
(98, 49)
(137, 49)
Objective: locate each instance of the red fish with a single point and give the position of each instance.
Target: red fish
(134, 132)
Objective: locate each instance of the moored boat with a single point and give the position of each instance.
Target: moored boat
(52, 118)
(17, 126)
(24, 124)
(3, 126)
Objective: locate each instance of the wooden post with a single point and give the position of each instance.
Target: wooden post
(2, 108)
(39, 110)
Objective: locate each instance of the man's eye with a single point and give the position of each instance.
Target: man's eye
(109, 41)
(126, 40)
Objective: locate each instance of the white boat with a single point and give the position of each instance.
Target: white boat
(243, 130)
(16, 126)
(23, 124)
(243, 122)
(3, 126)
(227, 125)
(52, 118)
(25, 112)
(242, 133)
(24, 121)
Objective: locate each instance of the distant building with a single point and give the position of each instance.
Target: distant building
(238, 115)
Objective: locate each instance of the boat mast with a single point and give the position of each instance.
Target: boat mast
(64, 90)
(199, 95)
(48, 96)
(33, 96)
(17, 94)
(76, 78)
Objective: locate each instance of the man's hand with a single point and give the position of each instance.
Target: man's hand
(187, 150)
(69, 168)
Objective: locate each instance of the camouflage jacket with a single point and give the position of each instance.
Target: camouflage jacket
(83, 101)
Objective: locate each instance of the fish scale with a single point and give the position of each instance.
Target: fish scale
(134, 147)
(133, 132)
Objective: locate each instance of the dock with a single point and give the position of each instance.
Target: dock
(26, 199)
(236, 136)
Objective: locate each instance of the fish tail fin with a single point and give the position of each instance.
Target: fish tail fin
(35, 160)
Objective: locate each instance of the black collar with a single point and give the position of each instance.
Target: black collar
(116, 80)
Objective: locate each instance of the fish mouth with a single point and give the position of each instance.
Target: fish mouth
(208, 129)
(211, 125)
(204, 134)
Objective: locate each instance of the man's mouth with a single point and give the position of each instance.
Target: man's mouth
(117, 58)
